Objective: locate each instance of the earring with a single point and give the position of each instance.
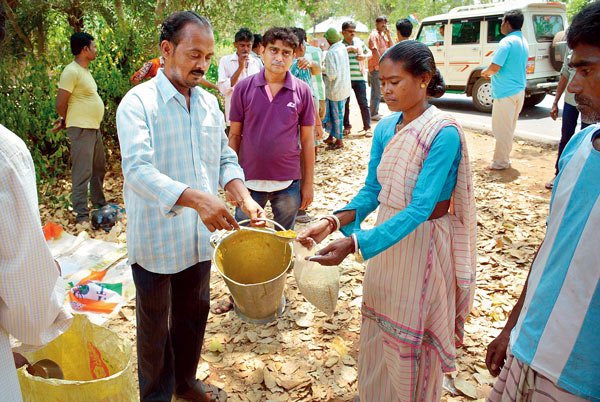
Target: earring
(422, 85)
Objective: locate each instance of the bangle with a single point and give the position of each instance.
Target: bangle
(331, 223)
(356, 251)
(336, 220)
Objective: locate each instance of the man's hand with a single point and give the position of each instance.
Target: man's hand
(242, 61)
(320, 132)
(496, 353)
(486, 74)
(334, 253)
(59, 124)
(303, 63)
(254, 211)
(554, 111)
(213, 212)
(307, 194)
(316, 232)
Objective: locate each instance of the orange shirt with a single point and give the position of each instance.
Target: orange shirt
(377, 40)
(148, 70)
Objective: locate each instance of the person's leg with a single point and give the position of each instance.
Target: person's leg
(154, 345)
(98, 172)
(375, 93)
(347, 125)
(360, 90)
(285, 204)
(505, 113)
(190, 295)
(82, 155)
(569, 122)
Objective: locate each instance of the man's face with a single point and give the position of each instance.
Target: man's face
(186, 63)
(243, 47)
(381, 26)
(300, 50)
(278, 57)
(91, 51)
(586, 82)
(505, 28)
(258, 49)
(348, 34)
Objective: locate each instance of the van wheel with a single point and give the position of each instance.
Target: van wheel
(482, 95)
(533, 100)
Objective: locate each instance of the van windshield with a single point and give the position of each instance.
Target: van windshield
(546, 26)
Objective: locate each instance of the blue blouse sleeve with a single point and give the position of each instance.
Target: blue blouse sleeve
(443, 155)
(366, 200)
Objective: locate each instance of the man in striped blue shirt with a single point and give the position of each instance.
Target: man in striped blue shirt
(551, 340)
(174, 156)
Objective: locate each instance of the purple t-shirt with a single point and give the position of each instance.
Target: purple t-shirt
(270, 147)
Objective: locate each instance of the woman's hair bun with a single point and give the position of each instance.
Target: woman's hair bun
(437, 86)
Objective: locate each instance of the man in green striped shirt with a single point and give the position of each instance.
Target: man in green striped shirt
(357, 51)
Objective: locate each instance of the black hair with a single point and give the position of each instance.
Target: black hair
(585, 27)
(515, 18)
(171, 28)
(2, 23)
(404, 26)
(283, 34)
(300, 34)
(348, 24)
(381, 18)
(79, 40)
(244, 35)
(417, 59)
(257, 40)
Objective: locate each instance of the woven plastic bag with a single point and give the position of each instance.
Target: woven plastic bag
(319, 284)
(96, 363)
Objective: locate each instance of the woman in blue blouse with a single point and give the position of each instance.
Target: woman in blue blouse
(420, 278)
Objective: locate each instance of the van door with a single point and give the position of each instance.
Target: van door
(433, 35)
(539, 30)
(493, 36)
(464, 52)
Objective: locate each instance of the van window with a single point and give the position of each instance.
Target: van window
(546, 26)
(465, 32)
(494, 35)
(432, 35)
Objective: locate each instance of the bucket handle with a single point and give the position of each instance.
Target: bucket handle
(275, 224)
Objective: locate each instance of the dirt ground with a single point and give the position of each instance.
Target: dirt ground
(306, 356)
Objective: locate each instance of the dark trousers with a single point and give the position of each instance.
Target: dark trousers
(375, 84)
(569, 123)
(171, 312)
(360, 91)
(284, 203)
(88, 167)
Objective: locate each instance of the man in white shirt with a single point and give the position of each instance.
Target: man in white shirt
(31, 295)
(235, 67)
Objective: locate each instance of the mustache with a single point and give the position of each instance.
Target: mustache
(277, 63)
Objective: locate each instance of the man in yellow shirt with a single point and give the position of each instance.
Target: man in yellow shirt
(81, 110)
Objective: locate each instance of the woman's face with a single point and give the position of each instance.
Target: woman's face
(401, 90)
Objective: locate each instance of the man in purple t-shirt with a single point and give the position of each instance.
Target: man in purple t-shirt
(272, 117)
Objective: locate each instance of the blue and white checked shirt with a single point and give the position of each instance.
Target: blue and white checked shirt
(337, 70)
(166, 149)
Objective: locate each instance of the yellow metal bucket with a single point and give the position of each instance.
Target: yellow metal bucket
(254, 264)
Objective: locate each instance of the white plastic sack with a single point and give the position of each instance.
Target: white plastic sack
(318, 284)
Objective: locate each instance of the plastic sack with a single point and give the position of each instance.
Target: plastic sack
(96, 363)
(319, 284)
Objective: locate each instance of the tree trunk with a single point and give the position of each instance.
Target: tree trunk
(40, 35)
(10, 15)
(75, 16)
(159, 10)
(120, 15)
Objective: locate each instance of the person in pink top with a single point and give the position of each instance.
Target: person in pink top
(379, 41)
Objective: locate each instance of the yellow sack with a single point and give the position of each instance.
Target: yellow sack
(96, 363)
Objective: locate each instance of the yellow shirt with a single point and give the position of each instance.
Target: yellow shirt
(85, 107)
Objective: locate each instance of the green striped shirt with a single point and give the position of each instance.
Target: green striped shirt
(355, 74)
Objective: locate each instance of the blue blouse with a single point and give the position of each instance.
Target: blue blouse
(435, 183)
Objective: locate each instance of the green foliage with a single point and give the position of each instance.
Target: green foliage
(575, 6)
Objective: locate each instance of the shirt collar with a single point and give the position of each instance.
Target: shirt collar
(167, 89)
(259, 80)
(518, 33)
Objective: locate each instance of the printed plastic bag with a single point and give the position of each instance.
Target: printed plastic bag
(318, 284)
(95, 361)
(90, 294)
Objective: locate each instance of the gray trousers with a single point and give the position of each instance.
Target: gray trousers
(375, 92)
(88, 167)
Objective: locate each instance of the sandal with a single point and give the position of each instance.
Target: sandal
(202, 392)
(333, 147)
(330, 140)
(347, 131)
(222, 306)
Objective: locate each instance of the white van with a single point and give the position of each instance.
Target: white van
(464, 40)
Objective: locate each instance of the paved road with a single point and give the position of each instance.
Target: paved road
(534, 123)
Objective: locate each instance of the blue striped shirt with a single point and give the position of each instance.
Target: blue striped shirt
(165, 149)
(557, 331)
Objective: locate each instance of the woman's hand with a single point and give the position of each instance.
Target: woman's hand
(315, 232)
(496, 353)
(335, 252)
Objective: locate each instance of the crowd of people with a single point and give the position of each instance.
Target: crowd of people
(178, 148)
